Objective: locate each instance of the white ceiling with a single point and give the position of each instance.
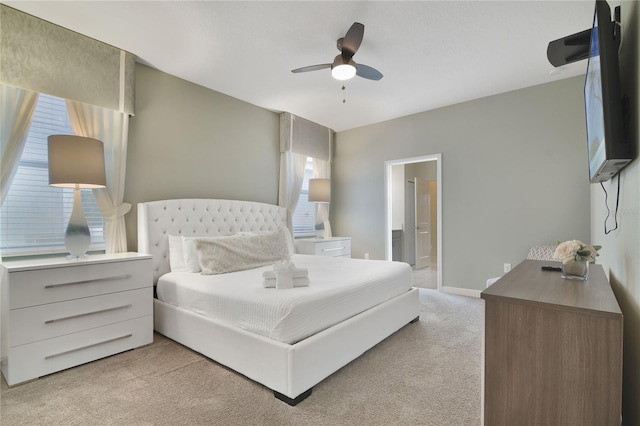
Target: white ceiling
(432, 54)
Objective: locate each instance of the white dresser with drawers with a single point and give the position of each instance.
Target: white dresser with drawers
(58, 313)
(335, 246)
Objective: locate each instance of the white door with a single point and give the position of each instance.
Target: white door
(410, 223)
(422, 223)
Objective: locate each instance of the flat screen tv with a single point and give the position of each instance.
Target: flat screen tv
(609, 151)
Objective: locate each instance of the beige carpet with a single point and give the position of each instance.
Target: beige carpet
(428, 373)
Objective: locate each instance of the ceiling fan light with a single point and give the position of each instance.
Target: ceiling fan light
(343, 71)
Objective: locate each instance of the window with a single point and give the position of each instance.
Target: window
(304, 218)
(34, 216)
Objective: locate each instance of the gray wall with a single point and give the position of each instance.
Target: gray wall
(514, 174)
(620, 249)
(187, 141)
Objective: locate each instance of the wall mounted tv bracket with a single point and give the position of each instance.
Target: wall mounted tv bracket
(575, 47)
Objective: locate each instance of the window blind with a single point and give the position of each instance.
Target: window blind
(304, 218)
(34, 216)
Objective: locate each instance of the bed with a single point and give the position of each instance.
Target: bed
(292, 357)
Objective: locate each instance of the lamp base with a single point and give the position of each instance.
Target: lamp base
(77, 238)
(82, 258)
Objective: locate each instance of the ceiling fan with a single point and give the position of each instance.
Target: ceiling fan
(343, 66)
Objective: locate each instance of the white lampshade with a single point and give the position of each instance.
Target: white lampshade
(76, 162)
(320, 190)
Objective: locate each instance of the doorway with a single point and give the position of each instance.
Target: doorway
(413, 210)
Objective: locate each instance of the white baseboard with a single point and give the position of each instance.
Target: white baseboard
(462, 291)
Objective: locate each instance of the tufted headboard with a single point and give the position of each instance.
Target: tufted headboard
(199, 218)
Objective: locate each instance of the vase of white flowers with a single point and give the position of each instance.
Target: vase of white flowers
(575, 257)
(575, 270)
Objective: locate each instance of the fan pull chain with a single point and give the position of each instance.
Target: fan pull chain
(344, 100)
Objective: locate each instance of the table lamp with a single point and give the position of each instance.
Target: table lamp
(320, 192)
(76, 162)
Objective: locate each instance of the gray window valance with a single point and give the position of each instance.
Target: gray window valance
(305, 137)
(46, 58)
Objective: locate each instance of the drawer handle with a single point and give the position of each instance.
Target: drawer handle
(89, 313)
(88, 346)
(333, 249)
(119, 277)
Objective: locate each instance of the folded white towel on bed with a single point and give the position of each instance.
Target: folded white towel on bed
(297, 273)
(285, 275)
(296, 282)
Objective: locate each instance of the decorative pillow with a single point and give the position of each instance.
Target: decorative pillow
(240, 252)
(285, 231)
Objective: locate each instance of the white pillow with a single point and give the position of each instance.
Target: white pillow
(190, 255)
(240, 252)
(183, 256)
(176, 256)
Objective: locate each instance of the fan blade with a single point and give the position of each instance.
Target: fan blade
(368, 72)
(352, 40)
(312, 68)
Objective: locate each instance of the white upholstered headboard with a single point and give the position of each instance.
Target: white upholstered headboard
(199, 218)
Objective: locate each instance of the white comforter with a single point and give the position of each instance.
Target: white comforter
(339, 289)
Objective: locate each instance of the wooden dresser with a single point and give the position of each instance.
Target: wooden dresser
(552, 349)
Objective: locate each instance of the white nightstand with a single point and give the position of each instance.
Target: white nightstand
(58, 313)
(336, 246)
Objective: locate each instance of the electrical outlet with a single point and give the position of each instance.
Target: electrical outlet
(507, 267)
(366, 256)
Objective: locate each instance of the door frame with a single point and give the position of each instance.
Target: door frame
(388, 205)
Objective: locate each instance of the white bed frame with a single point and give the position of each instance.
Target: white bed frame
(289, 370)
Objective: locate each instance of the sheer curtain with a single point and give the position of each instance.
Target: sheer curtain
(292, 167)
(110, 127)
(18, 106)
(322, 170)
(300, 139)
